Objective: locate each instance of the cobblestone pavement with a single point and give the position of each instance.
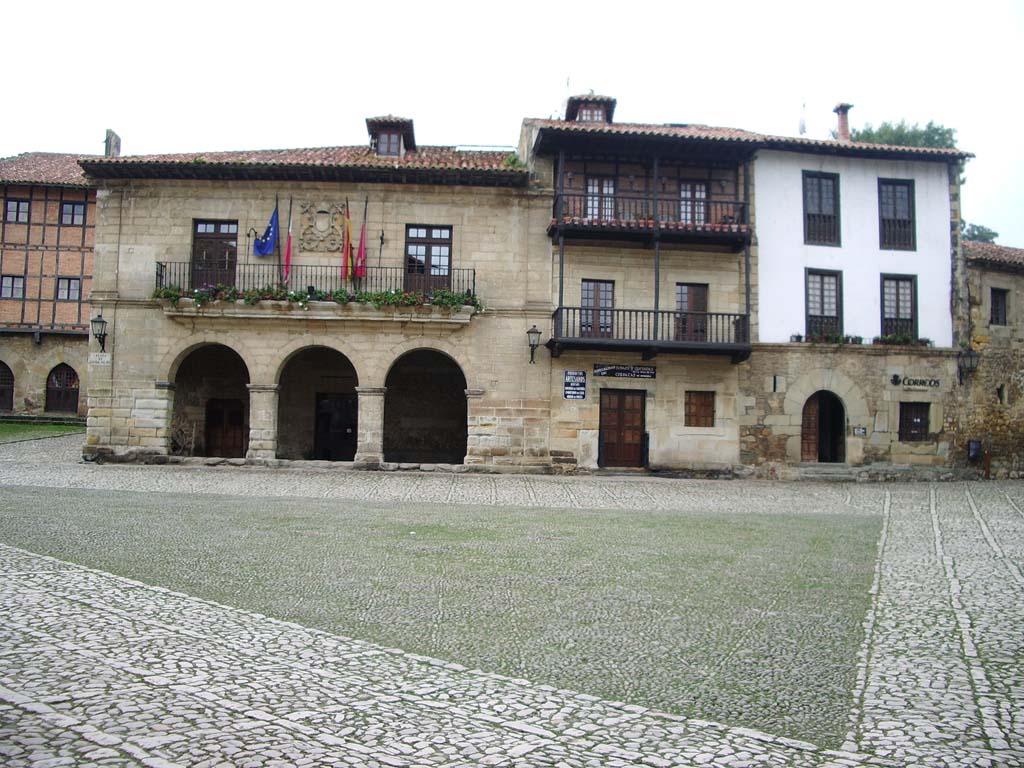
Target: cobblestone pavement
(99, 670)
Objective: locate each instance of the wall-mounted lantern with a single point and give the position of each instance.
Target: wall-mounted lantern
(99, 330)
(967, 362)
(533, 336)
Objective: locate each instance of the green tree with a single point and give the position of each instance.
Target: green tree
(903, 135)
(977, 233)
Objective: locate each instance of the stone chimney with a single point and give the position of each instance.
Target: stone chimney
(112, 145)
(843, 131)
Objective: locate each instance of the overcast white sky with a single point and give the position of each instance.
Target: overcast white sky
(199, 76)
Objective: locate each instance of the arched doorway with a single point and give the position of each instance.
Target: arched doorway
(317, 411)
(211, 404)
(823, 429)
(6, 388)
(62, 389)
(425, 409)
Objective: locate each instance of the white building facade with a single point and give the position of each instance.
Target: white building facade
(853, 246)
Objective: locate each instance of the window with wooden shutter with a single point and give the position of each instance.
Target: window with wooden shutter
(913, 422)
(700, 409)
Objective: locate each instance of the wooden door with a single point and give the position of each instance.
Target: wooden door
(809, 429)
(622, 427)
(336, 432)
(691, 312)
(226, 433)
(597, 302)
(62, 390)
(214, 253)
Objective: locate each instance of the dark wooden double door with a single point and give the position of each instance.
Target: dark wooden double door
(227, 434)
(335, 432)
(622, 428)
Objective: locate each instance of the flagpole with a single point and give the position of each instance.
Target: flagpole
(362, 236)
(277, 246)
(289, 244)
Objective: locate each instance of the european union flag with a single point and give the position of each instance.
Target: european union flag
(264, 246)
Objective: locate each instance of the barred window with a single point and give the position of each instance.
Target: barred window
(824, 302)
(896, 214)
(821, 208)
(913, 422)
(998, 314)
(899, 306)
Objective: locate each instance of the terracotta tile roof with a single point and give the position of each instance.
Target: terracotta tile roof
(697, 132)
(43, 168)
(356, 158)
(991, 253)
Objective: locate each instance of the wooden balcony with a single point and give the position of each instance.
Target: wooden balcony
(188, 276)
(643, 217)
(651, 332)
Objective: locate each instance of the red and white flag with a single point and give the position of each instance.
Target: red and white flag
(288, 245)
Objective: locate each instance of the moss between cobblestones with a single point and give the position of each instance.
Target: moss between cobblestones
(748, 619)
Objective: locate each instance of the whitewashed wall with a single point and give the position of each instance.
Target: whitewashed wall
(782, 255)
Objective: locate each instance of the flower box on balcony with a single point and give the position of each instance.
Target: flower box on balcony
(316, 310)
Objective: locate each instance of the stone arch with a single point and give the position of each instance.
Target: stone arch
(296, 346)
(211, 402)
(62, 387)
(174, 357)
(823, 428)
(317, 408)
(425, 408)
(402, 348)
(850, 395)
(6, 387)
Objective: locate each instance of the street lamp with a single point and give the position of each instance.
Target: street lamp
(533, 336)
(967, 362)
(99, 330)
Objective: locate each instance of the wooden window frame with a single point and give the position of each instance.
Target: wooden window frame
(590, 113)
(73, 205)
(699, 213)
(691, 324)
(999, 312)
(605, 200)
(838, 275)
(913, 301)
(388, 141)
(818, 176)
(897, 246)
(18, 201)
(66, 283)
(695, 413)
(430, 242)
(598, 318)
(908, 432)
(14, 280)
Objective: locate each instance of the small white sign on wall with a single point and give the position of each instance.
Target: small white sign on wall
(99, 358)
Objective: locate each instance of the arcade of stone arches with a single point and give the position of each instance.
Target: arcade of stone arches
(318, 406)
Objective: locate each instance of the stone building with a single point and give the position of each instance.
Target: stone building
(707, 297)
(994, 394)
(46, 249)
(335, 370)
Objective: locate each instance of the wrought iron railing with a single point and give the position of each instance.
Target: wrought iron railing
(643, 325)
(897, 233)
(821, 228)
(644, 210)
(189, 276)
(902, 326)
(821, 327)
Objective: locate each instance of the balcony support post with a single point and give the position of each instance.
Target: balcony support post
(559, 202)
(746, 247)
(657, 248)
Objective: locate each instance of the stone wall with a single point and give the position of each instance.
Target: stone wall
(871, 381)
(31, 363)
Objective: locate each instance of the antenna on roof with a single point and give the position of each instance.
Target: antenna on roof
(803, 118)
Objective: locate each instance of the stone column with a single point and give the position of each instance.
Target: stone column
(480, 429)
(262, 421)
(370, 448)
(152, 414)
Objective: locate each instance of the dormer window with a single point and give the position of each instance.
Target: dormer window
(389, 143)
(590, 108)
(391, 136)
(591, 113)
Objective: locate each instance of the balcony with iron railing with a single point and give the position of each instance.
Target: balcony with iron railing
(651, 332)
(189, 290)
(641, 216)
(189, 276)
